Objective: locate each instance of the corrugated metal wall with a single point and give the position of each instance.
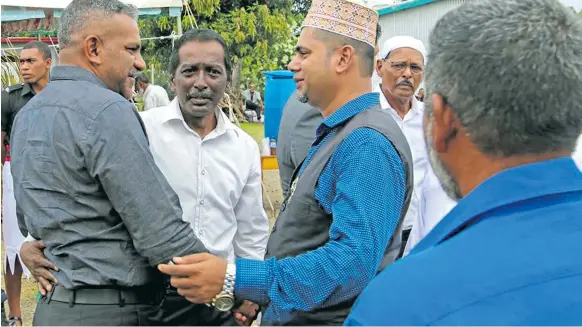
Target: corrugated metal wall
(417, 21)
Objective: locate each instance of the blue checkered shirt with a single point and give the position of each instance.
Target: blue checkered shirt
(363, 186)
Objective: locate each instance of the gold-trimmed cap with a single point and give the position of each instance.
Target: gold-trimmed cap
(344, 18)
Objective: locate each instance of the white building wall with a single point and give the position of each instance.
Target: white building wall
(417, 22)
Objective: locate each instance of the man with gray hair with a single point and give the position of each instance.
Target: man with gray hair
(86, 183)
(502, 116)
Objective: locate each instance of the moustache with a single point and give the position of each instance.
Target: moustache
(201, 95)
(405, 82)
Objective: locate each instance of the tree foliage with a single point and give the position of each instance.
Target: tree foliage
(259, 34)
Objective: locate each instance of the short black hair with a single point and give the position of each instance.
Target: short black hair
(43, 48)
(200, 35)
(364, 51)
(141, 77)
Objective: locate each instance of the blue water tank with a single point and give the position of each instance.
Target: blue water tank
(278, 88)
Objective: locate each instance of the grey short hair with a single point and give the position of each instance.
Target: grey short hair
(512, 72)
(79, 12)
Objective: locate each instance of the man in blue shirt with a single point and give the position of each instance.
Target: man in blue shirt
(502, 116)
(341, 221)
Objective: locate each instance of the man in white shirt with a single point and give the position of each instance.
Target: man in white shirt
(154, 96)
(400, 66)
(211, 164)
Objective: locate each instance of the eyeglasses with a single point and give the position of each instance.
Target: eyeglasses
(400, 66)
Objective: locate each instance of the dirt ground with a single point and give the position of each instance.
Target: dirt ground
(272, 198)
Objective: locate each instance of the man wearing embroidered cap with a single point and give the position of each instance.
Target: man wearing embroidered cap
(341, 222)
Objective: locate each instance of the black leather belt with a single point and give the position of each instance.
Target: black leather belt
(103, 296)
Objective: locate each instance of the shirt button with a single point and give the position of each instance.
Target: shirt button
(201, 202)
(203, 172)
(201, 232)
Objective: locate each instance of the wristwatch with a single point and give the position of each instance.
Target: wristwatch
(224, 301)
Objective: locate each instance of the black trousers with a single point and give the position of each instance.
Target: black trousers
(175, 310)
(255, 107)
(172, 310)
(55, 313)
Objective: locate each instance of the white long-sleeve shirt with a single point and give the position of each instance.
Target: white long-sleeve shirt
(412, 128)
(218, 181)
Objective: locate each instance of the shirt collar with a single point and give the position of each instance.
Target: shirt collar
(508, 187)
(416, 108)
(173, 112)
(75, 73)
(350, 109)
(26, 89)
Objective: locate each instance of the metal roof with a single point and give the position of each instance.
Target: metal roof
(403, 6)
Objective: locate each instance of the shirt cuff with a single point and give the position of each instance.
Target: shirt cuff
(252, 280)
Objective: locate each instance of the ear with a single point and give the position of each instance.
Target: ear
(379, 64)
(93, 49)
(347, 57)
(445, 123)
(172, 85)
(48, 63)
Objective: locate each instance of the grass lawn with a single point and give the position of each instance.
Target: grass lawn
(257, 131)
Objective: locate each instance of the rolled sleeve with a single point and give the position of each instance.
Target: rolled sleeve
(119, 157)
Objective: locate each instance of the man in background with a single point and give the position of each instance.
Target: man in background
(253, 100)
(401, 69)
(296, 133)
(154, 96)
(35, 64)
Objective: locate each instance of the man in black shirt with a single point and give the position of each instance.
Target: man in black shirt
(35, 64)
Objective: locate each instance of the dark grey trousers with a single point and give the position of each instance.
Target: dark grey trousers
(55, 313)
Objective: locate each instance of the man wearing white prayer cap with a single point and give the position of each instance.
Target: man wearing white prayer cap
(400, 65)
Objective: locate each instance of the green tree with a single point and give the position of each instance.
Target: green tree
(259, 33)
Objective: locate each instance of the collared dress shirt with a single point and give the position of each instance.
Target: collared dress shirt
(86, 184)
(412, 127)
(507, 254)
(218, 181)
(155, 96)
(366, 207)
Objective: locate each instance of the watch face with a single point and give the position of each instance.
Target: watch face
(224, 303)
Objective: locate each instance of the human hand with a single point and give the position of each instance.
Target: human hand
(197, 277)
(246, 313)
(33, 258)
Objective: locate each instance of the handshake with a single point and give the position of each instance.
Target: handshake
(201, 278)
(197, 277)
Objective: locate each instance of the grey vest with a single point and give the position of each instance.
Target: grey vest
(302, 225)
